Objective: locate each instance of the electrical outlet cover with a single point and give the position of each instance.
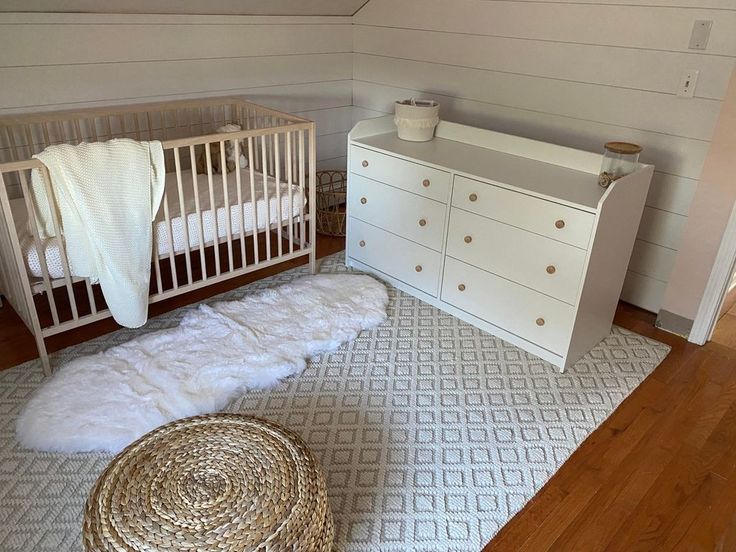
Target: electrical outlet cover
(689, 79)
(701, 34)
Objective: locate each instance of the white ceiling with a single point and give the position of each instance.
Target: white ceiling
(201, 7)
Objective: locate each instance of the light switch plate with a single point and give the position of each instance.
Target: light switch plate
(701, 34)
(689, 79)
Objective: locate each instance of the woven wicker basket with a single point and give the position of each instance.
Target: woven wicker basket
(215, 482)
(332, 188)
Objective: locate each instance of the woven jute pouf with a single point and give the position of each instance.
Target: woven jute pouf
(215, 482)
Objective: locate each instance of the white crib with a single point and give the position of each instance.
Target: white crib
(210, 227)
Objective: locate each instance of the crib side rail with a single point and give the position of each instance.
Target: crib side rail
(257, 214)
(281, 168)
(14, 282)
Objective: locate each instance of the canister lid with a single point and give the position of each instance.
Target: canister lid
(624, 148)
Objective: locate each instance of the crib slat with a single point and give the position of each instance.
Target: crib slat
(267, 233)
(29, 141)
(183, 215)
(91, 297)
(39, 247)
(149, 121)
(155, 259)
(277, 176)
(123, 129)
(239, 184)
(60, 239)
(46, 136)
(198, 210)
(137, 126)
(93, 127)
(253, 205)
(213, 208)
(302, 197)
(312, 201)
(228, 214)
(169, 229)
(270, 147)
(10, 132)
(164, 132)
(289, 180)
(109, 127)
(78, 131)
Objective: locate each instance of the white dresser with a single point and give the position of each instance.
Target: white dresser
(512, 235)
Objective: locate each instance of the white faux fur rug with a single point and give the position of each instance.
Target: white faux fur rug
(105, 401)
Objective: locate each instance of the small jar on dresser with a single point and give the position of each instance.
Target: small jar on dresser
(512, 235)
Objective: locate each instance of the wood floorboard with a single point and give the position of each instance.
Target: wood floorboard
(725, 332)
(658, 474)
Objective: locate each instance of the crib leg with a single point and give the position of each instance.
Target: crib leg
(314, 264)
(41, 346)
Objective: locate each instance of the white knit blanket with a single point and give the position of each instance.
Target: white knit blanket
(106, 194)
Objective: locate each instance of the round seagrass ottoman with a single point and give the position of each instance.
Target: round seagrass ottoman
(216, 482)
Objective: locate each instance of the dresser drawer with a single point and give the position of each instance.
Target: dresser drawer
(412, 177)
(517, 309)
(409, 262)
(410, 216)
(543, 217)
(538, 262)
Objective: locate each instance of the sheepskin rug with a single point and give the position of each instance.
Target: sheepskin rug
(105, 401)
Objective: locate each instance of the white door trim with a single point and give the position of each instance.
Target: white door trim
(717, 286)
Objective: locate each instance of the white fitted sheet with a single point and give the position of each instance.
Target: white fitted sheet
(263, 213)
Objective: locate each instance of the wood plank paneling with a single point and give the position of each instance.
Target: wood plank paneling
(20, 44)
(245, 7)
(651, 70)
(671, 193)
(298, 64)
(643, 291)
(648, 27)
(637, 109)
(672, 154)
(661, 227)
(572, 73)
(656, 261)
(31, 86)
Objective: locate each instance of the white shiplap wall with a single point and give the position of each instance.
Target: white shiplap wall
(299, 64)
(574, 73)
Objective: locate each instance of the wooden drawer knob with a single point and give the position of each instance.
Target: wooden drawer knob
(425, 182)
(551, 269)
(365, 163)
(560, 223)
(362, 243)
(363, 200)
(540, 321)
(461, 287)
(468, 239)
(418, 268)
(422, 222)
(473, 197)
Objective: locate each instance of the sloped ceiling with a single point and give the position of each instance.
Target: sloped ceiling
(200, 7)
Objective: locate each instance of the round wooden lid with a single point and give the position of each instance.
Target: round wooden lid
(624, 148)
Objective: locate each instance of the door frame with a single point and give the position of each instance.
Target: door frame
(717, 286)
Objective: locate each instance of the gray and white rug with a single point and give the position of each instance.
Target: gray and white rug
(432, 433)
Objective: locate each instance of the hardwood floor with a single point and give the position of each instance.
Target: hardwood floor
(725, 332)
(659, 474)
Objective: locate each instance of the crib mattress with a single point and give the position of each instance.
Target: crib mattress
(214, 221)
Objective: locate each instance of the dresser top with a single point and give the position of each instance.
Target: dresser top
(565, 185)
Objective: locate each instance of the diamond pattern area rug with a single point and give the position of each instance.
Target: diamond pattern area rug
(432, 433)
